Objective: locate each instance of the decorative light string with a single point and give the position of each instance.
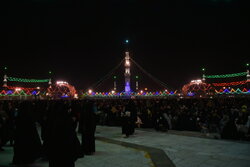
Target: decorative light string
(227, 75)
(13, 79)
(230, 83)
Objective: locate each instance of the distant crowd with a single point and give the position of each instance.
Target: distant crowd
(228, 117)
(60, 120)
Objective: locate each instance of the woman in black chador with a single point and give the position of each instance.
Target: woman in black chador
(27, 144)
(128, 119)
(63, 144)
(88, 128)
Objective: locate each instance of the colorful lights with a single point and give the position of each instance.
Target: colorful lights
(238, 91)
(227, 75)
(62, 83)
(198, 81)
(26, 80)
(126, 94)
(230, 83)
(90, 91)
(18, 89)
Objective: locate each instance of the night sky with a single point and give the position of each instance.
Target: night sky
(82, 41)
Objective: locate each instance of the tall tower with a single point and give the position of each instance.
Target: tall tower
(127, 73)
(5, 77)
(248, 73)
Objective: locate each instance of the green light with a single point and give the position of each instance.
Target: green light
(5, 68)
(136, 77)
(26, 80)
(226, 75)
(50, 72)
(203, 69)
(114, 77)
(126, 41)
(247, 64)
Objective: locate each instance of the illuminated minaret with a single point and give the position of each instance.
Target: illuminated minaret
(5, 77)
(127, 73)
(203, 75)
(248, 74)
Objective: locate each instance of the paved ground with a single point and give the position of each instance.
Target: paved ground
(147, 147)
(186, 151)
(107, 155)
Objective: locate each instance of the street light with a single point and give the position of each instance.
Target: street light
(90, 91)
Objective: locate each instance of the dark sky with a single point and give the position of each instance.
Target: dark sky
(82, 41)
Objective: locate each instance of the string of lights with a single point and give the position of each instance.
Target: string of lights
(161, 93)
(149, 75)
(227, 75)
(230, 83)
(108, 75)
(13, 79)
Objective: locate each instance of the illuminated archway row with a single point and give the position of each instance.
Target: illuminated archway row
(21, 93)
(244, 91)
(233, 91)
(160, 93)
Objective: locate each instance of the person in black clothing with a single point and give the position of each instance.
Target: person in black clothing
(1, 133)
(10, 124)
(128, 117)
(125, 122)
(63, 144)
(27, 144)
(88, 128)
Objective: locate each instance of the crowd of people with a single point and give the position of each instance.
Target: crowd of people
(60, 120)
(47, 129)
(228, 117)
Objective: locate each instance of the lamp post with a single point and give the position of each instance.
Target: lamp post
(137, 82)
(114, 82)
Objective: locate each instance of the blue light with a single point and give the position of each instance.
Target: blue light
(9, 92)
(226, 91)
(190, 94)
(127, 87)
(126, 41)
(64, 96)
(34, 92)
